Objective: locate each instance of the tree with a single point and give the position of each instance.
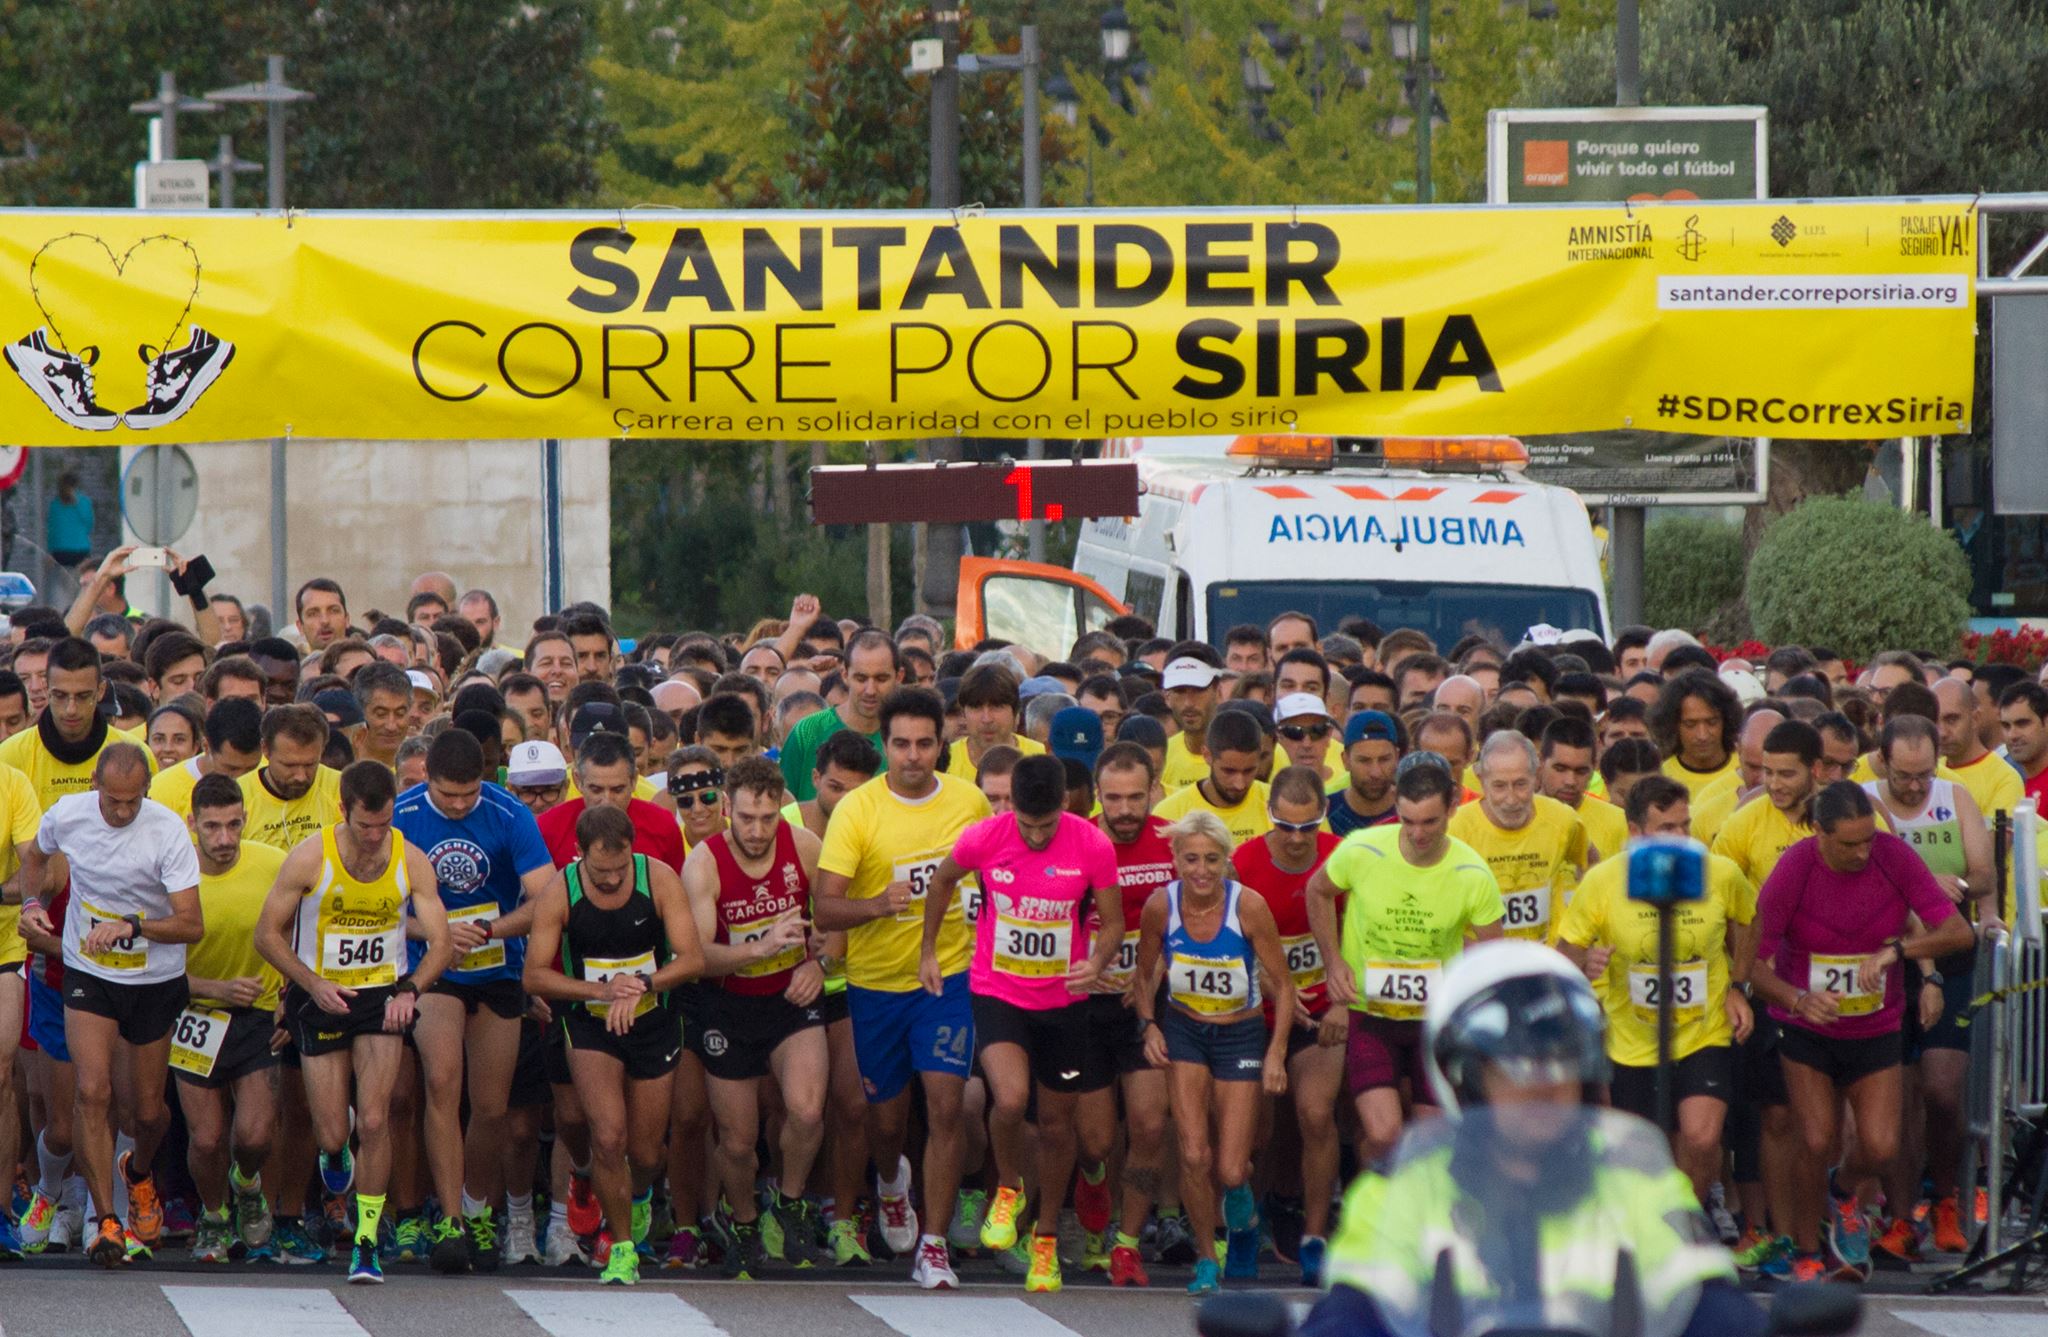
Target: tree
(1867, 97)
(428, 104)
(1268, 102)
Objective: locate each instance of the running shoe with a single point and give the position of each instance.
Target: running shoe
(365, 1268)
(10, 1242)
(450, 1252)
(1311, 1258)
(746, 1258)
(1015, 1260)
(133, 1250)
(933, 1270)
(22, 1192)
(999, 1228)
(409, 1240)
(1241, 1221)
(483, 1239)
(797, 1222)
(253, 1221)
(107, 1248)
(519, 1246)
(293, 1245)
(1808, 1267)
(1091, 1201)
(1126, 1267)
(1776, 1263)
(1723, 1219)
(684, 1248)
(562, 1249)
(210, 1238)
(1094, 1251)
(621, 1268)
(586, 1217)
(1898, 1245)
(337, 1172)
(1044, 1274)
(37, 1221)
(1175, 1245)
(899, 1218)
(970, 1209)
(642, 1219)
(337, 1222)
(1284, 1222)
(1849, 1232)
(843, 1237)
(1206, 1280)
(1948, 1227)
(69, 1228)
(145, 1209)
(179, 1222)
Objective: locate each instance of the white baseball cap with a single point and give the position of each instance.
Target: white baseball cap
(1187, 671)
(536, 763)
(421, 682)
(1296, 704)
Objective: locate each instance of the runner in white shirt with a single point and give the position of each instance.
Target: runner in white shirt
(134, 906)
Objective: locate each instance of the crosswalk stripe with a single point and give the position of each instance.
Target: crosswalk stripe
(924, 1315)
(276, 1311)
(1971, 1322)
(585, 1312)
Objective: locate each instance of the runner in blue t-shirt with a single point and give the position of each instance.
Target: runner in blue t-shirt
(490, 862)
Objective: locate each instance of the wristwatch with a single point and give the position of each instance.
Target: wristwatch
(406, 986)
(1932, 977)
(134, 929)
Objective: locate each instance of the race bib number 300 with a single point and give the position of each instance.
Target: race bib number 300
(1032, 949)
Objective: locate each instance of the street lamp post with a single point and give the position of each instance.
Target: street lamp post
(274, 95)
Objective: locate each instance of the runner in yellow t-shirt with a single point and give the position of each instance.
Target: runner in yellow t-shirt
(1535, 846)
(291, 795)
(1567, 771)
(220, 1048)
(1189, 681)
(1614, 940)
(1990, 778)
(1761, 830)
(234, 747)
(885, 841)
(20, 817)
(1414, 894)
(1695, 720)
(1230, 789)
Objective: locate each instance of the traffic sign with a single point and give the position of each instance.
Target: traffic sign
(179, 184)
(160, 494)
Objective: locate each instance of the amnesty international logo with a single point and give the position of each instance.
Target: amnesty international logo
(1692, 241)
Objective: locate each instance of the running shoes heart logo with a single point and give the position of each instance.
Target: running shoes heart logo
(159, 279)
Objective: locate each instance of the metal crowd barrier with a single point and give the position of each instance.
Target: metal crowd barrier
(2009, 1044)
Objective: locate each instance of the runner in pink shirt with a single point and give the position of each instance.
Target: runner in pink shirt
(1038, 867)
(1836, 919)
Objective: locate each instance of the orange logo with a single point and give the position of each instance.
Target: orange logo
(1546, 162)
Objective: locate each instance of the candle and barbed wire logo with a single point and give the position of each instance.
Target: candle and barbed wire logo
(63, 367)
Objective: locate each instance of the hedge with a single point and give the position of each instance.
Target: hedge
(1692, 570)
(1858, 577)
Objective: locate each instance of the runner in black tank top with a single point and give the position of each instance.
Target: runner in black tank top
(620, 928)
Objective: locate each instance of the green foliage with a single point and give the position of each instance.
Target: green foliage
(1860, 577)
(1334, 128)
(720, 559)
(429, 104)
(1692, 571)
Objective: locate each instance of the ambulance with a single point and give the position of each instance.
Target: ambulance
(1442, 535)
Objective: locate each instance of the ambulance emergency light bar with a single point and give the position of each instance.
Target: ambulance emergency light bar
(964, 493)
(1455, 454)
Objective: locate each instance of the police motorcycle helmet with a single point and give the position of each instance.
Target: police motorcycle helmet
(1519, 1006)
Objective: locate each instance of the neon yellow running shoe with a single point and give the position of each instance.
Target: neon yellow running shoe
(999, 1230)
(1044, 1275)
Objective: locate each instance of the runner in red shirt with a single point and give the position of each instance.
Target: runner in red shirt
(1278, 866)
(1116, 1047)
(604, 779)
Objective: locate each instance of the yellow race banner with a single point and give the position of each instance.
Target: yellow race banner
(1843, 320)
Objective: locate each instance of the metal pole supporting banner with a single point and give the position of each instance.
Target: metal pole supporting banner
(280, 588)
(1425, 104)
(552, 596)
(1033, 198)
(1628, 54)
(1625, 561)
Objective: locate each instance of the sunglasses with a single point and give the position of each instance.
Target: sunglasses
(686, 801)
(1297, 733)
(1296, 828)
